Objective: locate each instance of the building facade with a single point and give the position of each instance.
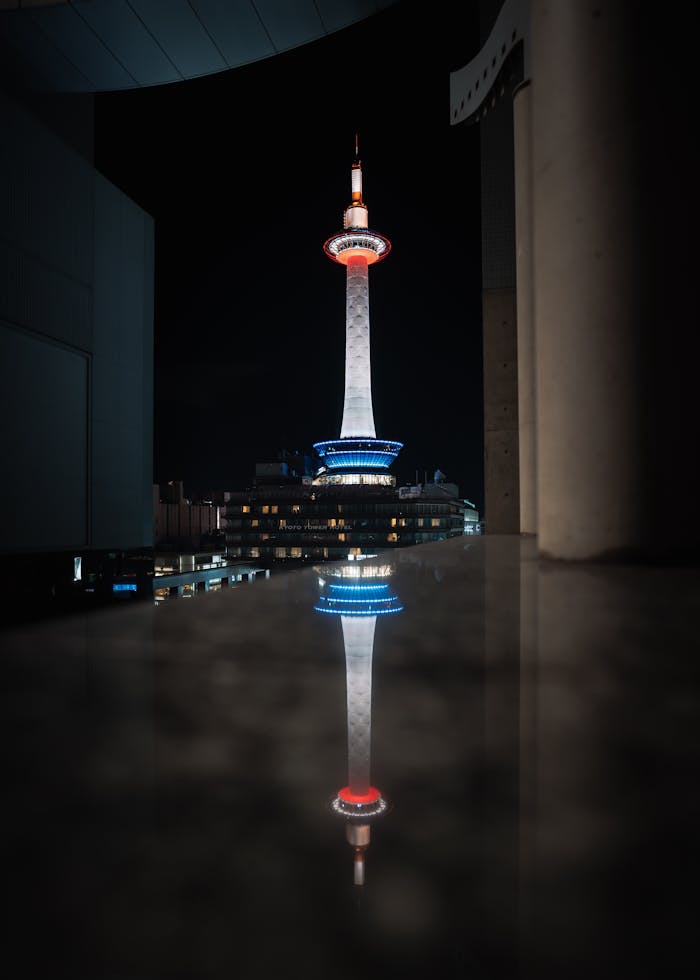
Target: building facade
(311, 522)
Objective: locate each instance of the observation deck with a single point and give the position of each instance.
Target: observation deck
(357, 242)
(357, 455)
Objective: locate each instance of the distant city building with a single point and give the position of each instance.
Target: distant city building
(180, 524)
(186, 575)
(315, 521)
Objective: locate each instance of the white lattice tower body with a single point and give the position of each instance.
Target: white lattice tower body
(358, 638)
(358, 417)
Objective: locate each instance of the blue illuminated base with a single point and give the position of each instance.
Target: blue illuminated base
(357, 455)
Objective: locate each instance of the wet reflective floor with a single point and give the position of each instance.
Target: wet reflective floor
(452, 761)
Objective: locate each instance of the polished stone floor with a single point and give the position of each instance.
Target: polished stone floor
(168, 772)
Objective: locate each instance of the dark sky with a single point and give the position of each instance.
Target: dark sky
(246, 174)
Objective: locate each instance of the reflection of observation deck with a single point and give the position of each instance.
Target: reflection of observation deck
(358, 599)
(358, 593)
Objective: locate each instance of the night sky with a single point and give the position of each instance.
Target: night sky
(246, 174)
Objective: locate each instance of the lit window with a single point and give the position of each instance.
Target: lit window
(255, 522)
(280, 552)
(332, 522)
(393, 522)
(265, 509)
(421, 522)
(341, 537)
(245, 509)
(392, 537)
(435, 522)
(340, 508)
(283, 523)
(253, 552)
(264, 537)
(295, 552)
(341, 522)
(403, 522)
(296, 508)
(274, 509)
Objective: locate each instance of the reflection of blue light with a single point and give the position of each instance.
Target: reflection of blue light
(124, 587)
(361, 589)
(354, 454)
(367, 601)
(358, 612)
(361, 605)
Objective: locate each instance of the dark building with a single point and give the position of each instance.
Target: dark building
(76, 360)
(181, 524)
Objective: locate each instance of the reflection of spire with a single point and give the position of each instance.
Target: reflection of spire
(358, 593)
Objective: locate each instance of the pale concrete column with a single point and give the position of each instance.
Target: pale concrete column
(522, 143)
(588, 276)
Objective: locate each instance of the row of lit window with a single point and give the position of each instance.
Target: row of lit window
(340, 522)
(274, 508)
(358, 508)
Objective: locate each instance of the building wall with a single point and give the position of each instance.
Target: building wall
(76, 349)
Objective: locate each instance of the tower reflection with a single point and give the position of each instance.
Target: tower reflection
(358, 593)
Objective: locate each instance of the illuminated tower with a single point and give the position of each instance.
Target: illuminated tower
(358, 594)
(358, 456)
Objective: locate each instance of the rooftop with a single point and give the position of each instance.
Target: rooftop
(168, 773)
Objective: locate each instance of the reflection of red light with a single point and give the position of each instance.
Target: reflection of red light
(371, 796)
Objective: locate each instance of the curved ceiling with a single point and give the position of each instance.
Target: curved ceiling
(107, 45)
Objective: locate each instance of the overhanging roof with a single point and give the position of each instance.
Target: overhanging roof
(106, 45)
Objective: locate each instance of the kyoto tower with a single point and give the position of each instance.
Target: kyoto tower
(358, 457)
(358, 593)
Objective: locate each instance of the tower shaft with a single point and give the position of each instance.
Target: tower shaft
(358, 416)
(358, 638)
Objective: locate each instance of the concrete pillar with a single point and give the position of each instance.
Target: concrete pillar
(615, 216)
(524, 305)
(499, 321)
(500, 412)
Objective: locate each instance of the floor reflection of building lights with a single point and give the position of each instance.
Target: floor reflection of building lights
(358, 593)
